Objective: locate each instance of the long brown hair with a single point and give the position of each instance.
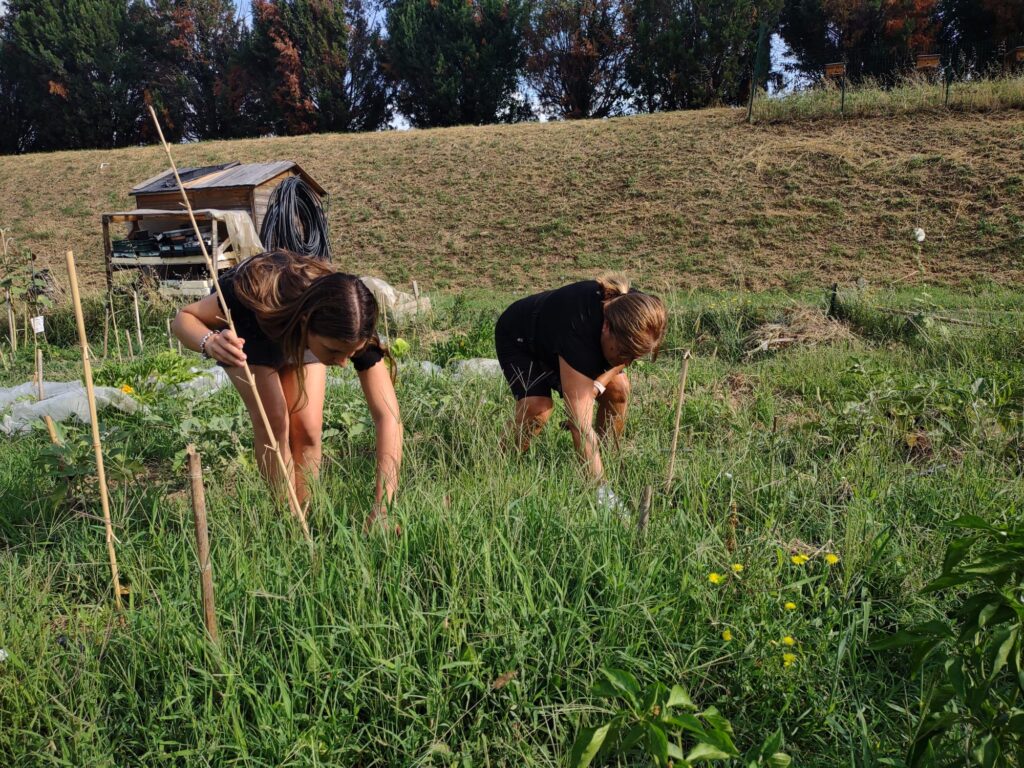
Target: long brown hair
(637, 320)
(293, 296)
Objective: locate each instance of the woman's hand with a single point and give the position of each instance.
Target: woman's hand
(226, 347)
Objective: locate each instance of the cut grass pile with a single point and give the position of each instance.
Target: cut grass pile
(474, 637)
(696, 199)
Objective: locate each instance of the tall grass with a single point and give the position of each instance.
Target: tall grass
(873, 99)
(389, 651)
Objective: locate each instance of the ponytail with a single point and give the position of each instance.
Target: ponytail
(613, 285)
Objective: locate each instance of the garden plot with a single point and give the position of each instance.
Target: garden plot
(511, 615)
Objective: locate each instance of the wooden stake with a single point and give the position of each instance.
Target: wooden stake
(39, 373)
(293, 499)
(12, 324)
(195, 472)
(170, 337)
(94, 419)
(645, 510)
(128, 340)
(679, 414)
(138, 321)
(106, 329)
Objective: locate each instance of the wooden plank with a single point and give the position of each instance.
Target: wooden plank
(248, 175)
(161, 261)
(107, 253)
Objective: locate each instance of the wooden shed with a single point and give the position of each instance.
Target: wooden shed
(228, 187)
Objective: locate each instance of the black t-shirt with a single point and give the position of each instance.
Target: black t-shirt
(563, 323)
(259, 348)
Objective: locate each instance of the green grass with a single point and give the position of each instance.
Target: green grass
(913, 95)
(378, 651)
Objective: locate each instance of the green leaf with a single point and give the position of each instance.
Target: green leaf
(1006, 638)
(623, 683)
(678, 697)
(587, 745)
(987, 751)
(779, 760)
(974, 522)
(657, 743)
(955, 552)
(705, 751)
(717, 719)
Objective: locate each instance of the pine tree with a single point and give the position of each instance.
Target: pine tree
(686, 55)
(457, 62)
(320, 67)
(65, 62)
(577, 56)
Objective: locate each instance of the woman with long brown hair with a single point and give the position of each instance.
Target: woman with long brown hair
(295, 315)
(577, 341)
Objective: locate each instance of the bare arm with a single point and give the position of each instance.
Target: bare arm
(197, 319)
(387, 421)
(578, 393)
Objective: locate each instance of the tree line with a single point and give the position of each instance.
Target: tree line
(79, 73)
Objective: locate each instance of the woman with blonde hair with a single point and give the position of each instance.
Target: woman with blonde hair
(577, 340)
(295, 315)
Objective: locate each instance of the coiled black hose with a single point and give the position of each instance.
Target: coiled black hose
(295, 220)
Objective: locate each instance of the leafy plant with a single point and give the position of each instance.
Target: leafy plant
(973, 713)
(658, 720)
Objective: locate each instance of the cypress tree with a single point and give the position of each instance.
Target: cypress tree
(457, 62)
(577, 55)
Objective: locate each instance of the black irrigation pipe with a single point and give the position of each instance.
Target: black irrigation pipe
(295, 220)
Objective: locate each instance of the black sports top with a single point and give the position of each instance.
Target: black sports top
(563, 323)
(259, 348)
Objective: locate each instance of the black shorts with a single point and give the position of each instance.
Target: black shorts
(526, 376)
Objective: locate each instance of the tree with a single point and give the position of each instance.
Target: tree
(976, 34)
(193, 43)
(64, 63)
(577, 57)
(686, 55)
(456, 62)
(319, 65)
(875, 38)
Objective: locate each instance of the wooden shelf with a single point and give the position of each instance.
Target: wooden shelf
(165, 261)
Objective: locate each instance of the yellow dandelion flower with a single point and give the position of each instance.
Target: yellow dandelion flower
(799, 559)
(788, 659)
(790, 606)
(737, 567)
(127, 389)
(831, 558)
(715, 578)
(788, 640)
(727, 636)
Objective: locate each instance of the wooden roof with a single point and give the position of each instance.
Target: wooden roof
(223, 176)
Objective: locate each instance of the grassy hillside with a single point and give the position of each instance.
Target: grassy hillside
(688, 199)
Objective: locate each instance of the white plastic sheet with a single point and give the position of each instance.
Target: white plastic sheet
(63, 399)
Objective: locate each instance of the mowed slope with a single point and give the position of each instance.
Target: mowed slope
(690, 199)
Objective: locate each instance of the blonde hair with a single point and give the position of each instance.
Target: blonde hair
(636, 320)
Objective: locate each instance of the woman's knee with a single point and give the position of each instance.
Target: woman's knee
(305, 441)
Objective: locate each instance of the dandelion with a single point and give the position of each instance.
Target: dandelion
(727, 636)
(127, 389)
(788, 659)
(737, 567)
(790, 605)
(789, 640)
(715, 578)
(831, 558)
(799, 559)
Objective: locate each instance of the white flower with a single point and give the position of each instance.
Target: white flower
(919, 235)
(3, 655)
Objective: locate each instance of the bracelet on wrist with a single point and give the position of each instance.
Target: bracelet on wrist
(202, 343)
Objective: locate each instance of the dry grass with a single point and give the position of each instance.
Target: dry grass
(676, 200)
(803, 326)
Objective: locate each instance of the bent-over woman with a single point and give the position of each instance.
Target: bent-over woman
(577, 341)
(295, 315)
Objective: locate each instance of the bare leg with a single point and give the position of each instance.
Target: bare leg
(268, 383)
(612, 407)
(531, 414)
(305, 426)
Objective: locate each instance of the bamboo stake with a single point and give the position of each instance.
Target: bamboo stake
(106, 329)
(39, 373)
(170, 338)
(96, 444)
(195, 472)
(138, 321)
(679, 414)
(293, 499)
(128, 340)
(12, 324)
